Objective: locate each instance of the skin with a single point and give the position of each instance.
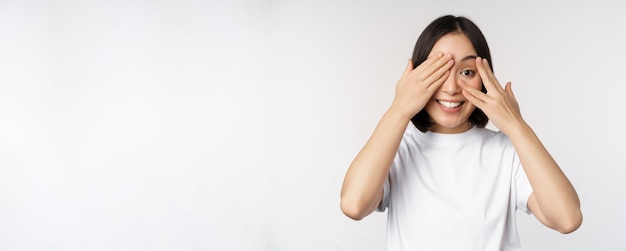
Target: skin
(463, 71)
(453, 72)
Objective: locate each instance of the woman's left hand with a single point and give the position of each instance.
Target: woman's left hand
(554, 200)
(499, 104)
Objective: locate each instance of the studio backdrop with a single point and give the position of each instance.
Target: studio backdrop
(229, 125)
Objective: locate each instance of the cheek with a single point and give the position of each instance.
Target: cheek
(475, 83)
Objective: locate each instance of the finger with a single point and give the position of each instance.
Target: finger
(484, 75)
(438, 82)
(492, 76)
(509, 90)
(427, 68)
(445, 61)
(430, 60)
(475, 96)
(489, 80)
(473, 99)
(440, 75)
(409, 68)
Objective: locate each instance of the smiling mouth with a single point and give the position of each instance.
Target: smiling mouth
(449, 104)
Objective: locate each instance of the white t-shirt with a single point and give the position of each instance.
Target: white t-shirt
(454, 192)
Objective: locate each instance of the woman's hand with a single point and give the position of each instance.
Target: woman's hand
(499, 104)
(554, 200)
(417, 86)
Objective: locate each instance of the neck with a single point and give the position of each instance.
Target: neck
(446, 130)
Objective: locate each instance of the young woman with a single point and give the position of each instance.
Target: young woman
(449, 183)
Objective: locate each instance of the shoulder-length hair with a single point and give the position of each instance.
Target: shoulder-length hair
(432, 33)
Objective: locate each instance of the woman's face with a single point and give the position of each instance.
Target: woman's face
(448, 108)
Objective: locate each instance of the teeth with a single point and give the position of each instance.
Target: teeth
(448, 104)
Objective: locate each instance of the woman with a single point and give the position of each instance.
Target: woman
(449, 183)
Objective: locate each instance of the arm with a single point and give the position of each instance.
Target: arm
(554, 200)
(362, 188)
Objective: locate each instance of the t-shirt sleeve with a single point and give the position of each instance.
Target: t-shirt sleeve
(522, 186)
(385, 201)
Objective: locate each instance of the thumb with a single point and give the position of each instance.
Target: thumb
(409, 68)
(509, 89)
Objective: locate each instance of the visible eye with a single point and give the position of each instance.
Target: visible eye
(468, 73)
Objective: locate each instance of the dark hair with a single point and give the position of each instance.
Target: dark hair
(432, 33)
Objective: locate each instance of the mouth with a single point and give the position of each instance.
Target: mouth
(449, 104)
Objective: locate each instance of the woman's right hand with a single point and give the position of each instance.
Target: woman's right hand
(362, 189)
(417, 86)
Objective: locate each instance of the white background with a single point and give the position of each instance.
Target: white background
(228, 125)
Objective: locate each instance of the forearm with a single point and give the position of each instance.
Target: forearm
(362, 186)
(554, 194)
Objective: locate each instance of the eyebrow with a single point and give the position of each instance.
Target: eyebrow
(469, 57)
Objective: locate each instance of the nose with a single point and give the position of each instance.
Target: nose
(450, 86)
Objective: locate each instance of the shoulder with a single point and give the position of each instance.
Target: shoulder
(412, 136)
(495, 143)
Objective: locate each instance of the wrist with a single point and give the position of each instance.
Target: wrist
(397, 114)
(517, 130)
